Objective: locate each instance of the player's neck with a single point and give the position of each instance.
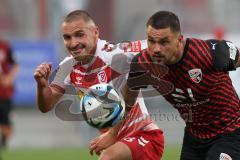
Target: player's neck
(91, 59)
(182, 48)
(179, 54)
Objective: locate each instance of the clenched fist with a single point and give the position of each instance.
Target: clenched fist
(42, 74)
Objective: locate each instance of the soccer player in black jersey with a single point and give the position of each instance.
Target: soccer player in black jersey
(192, 74)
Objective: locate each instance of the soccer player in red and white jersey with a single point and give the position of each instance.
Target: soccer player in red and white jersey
(94, 61)
(192, 74)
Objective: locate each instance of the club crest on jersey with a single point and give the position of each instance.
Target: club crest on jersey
(102, 77)
(195, 75)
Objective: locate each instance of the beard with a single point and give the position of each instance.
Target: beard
(84, 59)
(83, 54)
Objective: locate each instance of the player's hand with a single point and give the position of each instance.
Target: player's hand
(42, 74)
(102, 142)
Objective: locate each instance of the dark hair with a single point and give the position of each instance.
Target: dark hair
(78, 14)
(164, 19)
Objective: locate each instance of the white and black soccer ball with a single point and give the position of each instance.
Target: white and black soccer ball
(102, 107)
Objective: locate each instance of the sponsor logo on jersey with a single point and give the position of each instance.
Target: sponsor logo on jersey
(213, 45)
(129, 46)
(136, 46)
(232, 50)
(109, 46)
(126, 46)
(102, 77)
(195, 75)
(224, 156)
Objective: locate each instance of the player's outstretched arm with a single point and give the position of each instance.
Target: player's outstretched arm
(104, 141)
(46, 96)
(129, 95)
(109, 138)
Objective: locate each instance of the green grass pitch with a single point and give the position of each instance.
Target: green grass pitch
(68, 154)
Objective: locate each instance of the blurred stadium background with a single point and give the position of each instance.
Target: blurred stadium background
(33, 28)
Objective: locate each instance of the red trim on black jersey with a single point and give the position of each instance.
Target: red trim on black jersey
(205, 59)
(206, 48)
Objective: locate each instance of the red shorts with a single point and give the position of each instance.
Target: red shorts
(145, 145)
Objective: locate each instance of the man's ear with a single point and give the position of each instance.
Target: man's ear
(180, 39)
(97, 31)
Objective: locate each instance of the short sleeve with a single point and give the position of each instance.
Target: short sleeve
(224, 55)
(60, 76)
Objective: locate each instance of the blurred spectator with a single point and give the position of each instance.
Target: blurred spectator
(8, 72)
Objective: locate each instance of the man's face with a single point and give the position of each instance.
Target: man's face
(80, 39)
(164, 45)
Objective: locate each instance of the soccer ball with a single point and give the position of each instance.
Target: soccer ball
(101, 106)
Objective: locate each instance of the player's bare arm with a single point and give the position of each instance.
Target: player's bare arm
(109, 138)
(129, 96)
(46, 95)
(104, 141)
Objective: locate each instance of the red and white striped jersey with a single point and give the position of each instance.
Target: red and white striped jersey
(111, 64)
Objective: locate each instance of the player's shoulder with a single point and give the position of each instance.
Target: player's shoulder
(222, 47)
(143, 55)
(67, 63)
(222, 43)
(196, 41)
(66, 60)
(224, 54)
(207, 45)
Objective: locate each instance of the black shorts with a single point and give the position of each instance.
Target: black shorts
(5, 109)
(221, 147)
